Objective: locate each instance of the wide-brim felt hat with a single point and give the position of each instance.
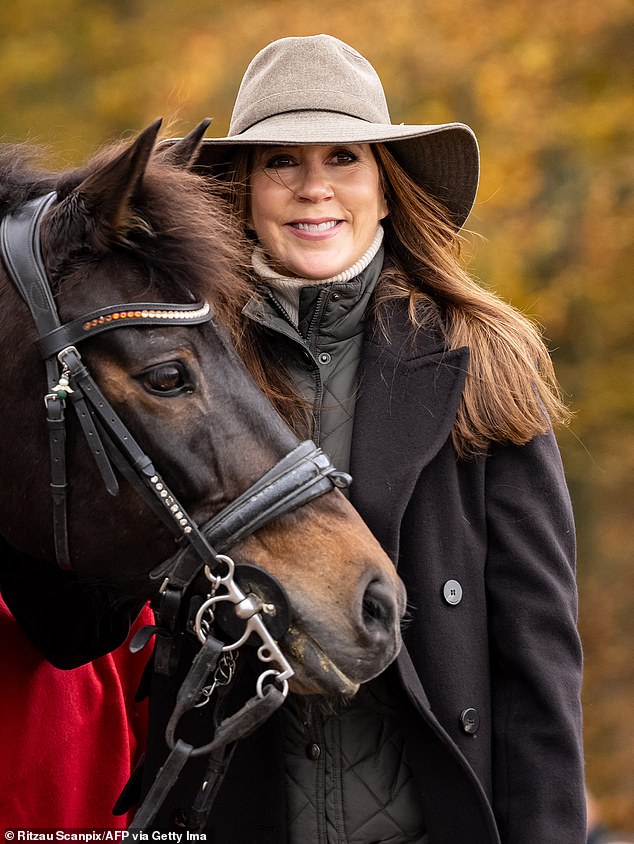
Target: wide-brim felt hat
(319, 90)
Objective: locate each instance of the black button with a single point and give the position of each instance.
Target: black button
(452, 592)
(470, 721)
(313, 751)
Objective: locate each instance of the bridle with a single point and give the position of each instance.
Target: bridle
(302, 475)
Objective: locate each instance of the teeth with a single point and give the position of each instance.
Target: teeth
(315, 227)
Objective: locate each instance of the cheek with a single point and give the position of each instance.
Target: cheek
(370, 199)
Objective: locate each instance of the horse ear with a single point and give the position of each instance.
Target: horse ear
(184, 152)
(106, 194)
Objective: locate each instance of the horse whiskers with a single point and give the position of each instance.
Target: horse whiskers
(311, 708)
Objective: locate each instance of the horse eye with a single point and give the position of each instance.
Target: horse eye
(167, 379)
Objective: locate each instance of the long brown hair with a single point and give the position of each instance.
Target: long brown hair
(511, 392)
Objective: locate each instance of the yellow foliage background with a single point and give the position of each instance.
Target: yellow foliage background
(547, 85)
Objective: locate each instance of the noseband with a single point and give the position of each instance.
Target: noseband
(299, 477)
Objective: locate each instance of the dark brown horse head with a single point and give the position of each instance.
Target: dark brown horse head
(137, 226)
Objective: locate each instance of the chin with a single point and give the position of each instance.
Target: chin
(317, 267)
(313, 273)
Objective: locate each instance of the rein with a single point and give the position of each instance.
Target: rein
(247, 598)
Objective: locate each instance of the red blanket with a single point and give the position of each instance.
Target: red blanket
(68, 739)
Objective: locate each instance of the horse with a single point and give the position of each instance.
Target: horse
(136, 225)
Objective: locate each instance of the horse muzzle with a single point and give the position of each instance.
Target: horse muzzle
(330, 657)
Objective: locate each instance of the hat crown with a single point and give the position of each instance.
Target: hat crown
(313, 73)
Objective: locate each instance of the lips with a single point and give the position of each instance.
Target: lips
(316, 229)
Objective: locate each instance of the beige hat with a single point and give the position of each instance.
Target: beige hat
(318, 90)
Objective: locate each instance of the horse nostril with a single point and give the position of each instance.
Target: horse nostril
(378, 607)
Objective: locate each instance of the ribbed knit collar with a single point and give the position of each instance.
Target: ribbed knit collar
(288, 288)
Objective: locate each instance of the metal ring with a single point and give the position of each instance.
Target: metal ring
(216, 579)
(215, 599)
(276, 676)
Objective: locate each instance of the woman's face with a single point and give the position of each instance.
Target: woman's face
(315, 209)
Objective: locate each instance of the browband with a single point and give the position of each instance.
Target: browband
(134, 313)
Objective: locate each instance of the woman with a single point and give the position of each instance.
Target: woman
(440, 399)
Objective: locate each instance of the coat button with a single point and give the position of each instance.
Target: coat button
(325, 358)
(452, 592)
(313, 751)
(470, 721)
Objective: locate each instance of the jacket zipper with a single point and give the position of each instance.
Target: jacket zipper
(311, 336)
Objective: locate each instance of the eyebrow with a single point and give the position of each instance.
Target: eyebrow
(264, 150)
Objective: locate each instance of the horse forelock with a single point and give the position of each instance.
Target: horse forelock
(185, 232)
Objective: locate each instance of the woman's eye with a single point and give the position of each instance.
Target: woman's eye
(344, 156)
(167, 379)
(277, 162)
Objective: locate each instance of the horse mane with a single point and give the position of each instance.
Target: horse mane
(179, 228)
(20, 178)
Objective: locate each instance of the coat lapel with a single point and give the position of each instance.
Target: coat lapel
(409, 392)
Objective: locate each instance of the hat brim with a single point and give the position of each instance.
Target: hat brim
(442, 158)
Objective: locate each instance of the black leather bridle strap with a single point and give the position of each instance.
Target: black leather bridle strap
(56, 426)
(302, 475)
(152, 487)
(20, 243)
(21, 249)
(234, 728)
(163, 783)
(95, 437)
(218, 751)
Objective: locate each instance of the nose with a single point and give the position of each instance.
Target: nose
(313, 185)
(381, 607)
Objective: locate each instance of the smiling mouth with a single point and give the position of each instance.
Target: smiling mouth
(315, 227)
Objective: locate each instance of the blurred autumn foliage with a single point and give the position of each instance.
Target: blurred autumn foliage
(547, 86)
